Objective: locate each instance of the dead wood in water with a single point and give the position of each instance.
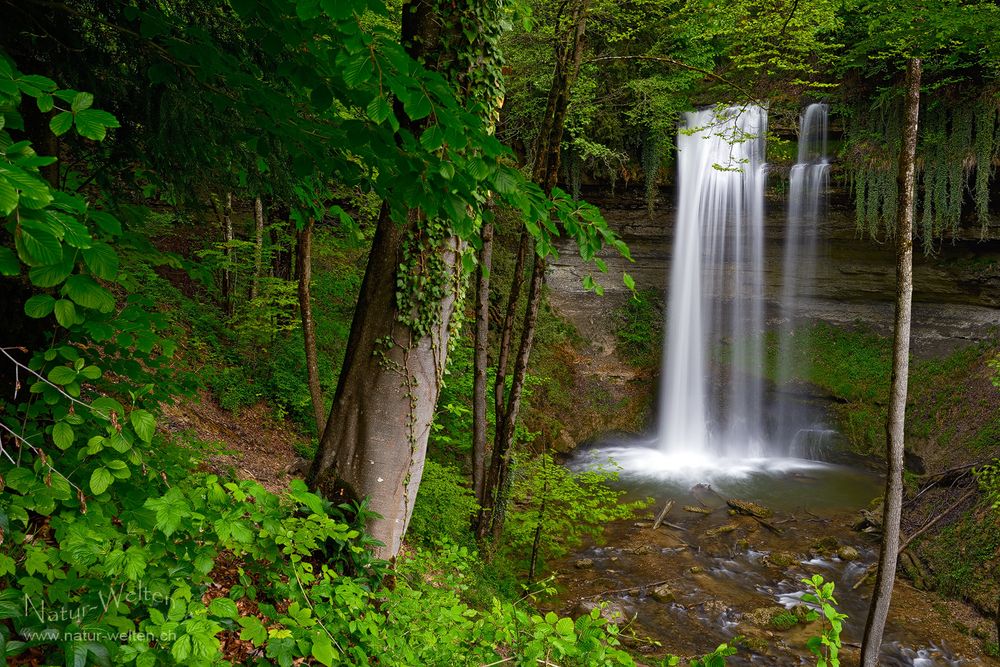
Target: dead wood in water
(663, 513)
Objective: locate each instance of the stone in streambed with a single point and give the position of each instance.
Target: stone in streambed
(613, 612)
(663, 593)
(848, 553)
(721, 530)
(781, 559)
(584, 563)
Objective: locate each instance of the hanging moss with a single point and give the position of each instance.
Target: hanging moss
(652, 154)
(956, 137)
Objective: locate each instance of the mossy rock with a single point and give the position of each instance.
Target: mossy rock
(781, 559)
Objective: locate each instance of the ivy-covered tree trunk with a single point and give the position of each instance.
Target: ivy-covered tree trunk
(227, 252)
(878, 612)
(375, 438)
(304, 263)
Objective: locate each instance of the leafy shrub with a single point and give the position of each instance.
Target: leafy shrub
(639, 328)
(443, 508)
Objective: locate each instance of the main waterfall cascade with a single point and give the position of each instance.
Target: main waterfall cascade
(716, 291)
(717, 421)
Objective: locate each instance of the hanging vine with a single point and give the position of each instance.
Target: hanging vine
(957, 149)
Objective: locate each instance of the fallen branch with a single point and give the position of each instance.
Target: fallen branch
(627, 590)
(923, 529)
(663, 513)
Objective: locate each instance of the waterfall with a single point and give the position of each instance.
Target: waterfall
(716, 290)
(809, 178)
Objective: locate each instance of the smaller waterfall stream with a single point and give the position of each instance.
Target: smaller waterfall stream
(806, 196)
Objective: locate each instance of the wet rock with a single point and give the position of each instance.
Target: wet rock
(743, 545)
(613, 612)
(696, 509)
(756, 644)
(564, 443)
(584, 563)
(640, 550)
(781, 559)
(848, 553)
(715, 607)
(663, 593)
(801, 612)
(763, 617)
(697, 569)
(826, 545)
(721, 530)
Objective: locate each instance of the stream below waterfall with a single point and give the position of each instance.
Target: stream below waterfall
(704, 577)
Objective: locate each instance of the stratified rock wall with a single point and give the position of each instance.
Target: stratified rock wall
(956, 290)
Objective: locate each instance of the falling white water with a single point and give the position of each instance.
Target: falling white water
(716, 290)
(809, 180)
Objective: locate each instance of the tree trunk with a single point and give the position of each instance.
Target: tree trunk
(375, 438)
(538, 528)
(304, 264)
(545, 172)
(481, 362)
(500, 468)
(227, 237)
(258, 250)
(878, 612)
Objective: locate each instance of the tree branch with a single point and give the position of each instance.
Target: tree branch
(677, 63)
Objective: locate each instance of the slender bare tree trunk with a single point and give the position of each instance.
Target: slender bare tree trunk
(878, 612)
(545, 172)
(227, 237)
(304, 264)
(258, 249)
(480, 362)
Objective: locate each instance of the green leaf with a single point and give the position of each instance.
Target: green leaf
(62, 435)
(100, 480)
(90, 372)
(223, 607)
(9, 264)
(170, 510)
(565, 626)
(89, 294)
(144, 424)
(102, 260)
(81, 101)
(8, 196)
(629, 281)
(432, 139)
(50, 275)
(337, 9)
(65, 313)
(39, 306)
(62, 375)
(94, 124)
(45, 103)
(323, 651)
(379, 109)
(37, 247)
(61, 123)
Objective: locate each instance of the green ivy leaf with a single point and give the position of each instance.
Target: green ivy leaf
(39, 306)
(65, 313)
(62, 435)
(144, 424)
(100, 480)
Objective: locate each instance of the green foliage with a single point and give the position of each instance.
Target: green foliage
(716, 658)
(784, 621)
(638, 326)
(444, 507)
(566, 505)
(826, 646)
(988, 477)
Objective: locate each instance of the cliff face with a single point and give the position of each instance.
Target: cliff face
(956, 290)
